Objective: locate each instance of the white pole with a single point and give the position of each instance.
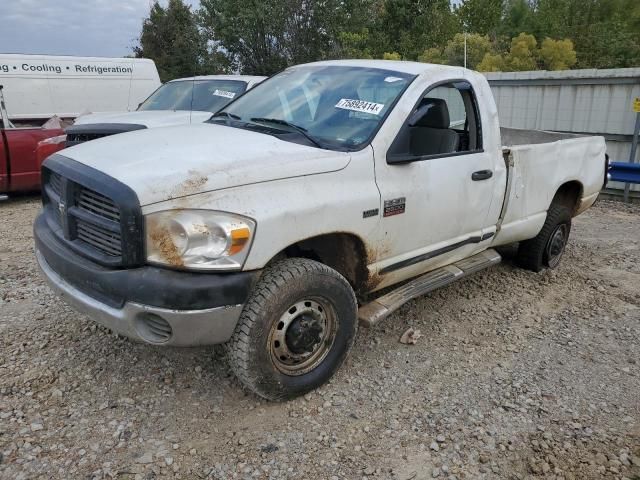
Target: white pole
(465, 49)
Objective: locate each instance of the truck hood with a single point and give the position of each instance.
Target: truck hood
(150, 118)
(165, 163)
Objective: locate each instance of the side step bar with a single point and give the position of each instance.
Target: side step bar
(374, 312)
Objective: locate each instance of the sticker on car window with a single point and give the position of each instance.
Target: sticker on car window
(360, 106)
(224, 93)
(393, 79)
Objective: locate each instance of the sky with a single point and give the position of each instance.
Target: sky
(101, 28)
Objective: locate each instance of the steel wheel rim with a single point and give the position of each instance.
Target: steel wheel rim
(556, 245)
(304, 315)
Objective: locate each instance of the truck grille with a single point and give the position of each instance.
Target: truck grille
(98, 204)
(104, 240)
(93, 222)
(55, 182)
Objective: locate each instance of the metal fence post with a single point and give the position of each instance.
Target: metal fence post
(632, 157)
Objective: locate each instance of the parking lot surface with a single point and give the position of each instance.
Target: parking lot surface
(517, 375)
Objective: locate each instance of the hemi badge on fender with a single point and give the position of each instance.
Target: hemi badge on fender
(395, 206)
(370, 213)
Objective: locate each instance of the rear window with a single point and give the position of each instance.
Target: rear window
(198, 95)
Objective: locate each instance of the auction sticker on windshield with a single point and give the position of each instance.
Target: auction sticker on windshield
(360, 106)
(224, 93)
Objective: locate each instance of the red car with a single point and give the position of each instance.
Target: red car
(20, 152)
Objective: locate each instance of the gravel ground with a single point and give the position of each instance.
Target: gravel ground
(518, 375)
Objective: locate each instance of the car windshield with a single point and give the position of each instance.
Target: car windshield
(334, 107)
(198, 95)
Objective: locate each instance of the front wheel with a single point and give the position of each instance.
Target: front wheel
(295, 330)
(547, 248)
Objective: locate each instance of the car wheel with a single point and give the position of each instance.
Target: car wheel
(295, 330)
(547, 248)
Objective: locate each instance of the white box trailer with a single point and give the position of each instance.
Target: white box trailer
(37, 87)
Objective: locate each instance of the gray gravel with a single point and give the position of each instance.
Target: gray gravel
(518, 375)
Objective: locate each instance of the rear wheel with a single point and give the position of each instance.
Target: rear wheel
(295, 330)
(547, 248)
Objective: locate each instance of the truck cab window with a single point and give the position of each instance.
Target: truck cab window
(444, 122)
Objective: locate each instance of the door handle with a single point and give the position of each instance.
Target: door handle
(481, 175)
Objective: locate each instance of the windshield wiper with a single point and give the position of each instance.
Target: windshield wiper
(225, 114)
(301, 130)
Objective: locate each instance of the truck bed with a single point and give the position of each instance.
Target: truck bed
(515, 136)
(541, 162)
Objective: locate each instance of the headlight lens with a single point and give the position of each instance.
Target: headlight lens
(198, 239)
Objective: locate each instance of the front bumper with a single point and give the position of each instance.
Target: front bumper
(148, 304)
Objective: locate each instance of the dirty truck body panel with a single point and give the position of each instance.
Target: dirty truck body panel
(538, 172)
(407, 169)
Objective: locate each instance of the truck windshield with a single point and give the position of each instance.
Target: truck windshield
(198, 95)
(336, 107)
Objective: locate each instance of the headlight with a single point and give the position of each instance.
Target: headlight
(198, 239)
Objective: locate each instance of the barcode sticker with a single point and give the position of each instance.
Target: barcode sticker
(224, 93)
(360, 106)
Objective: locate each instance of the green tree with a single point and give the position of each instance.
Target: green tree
(492, 62)
(410, 26)
(481, 16)
(355, 44)
(523, 54)
(391, 56)
(357, 29)
(477, 47)
(606, 33)
(632, 7)
(432, 55)
(170, 36)
(557, 54)
(518, 17)
(265, 36)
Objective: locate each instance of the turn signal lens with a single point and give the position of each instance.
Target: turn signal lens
(239, 238)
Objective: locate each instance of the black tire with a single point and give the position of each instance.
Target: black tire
(546, 249)
(286, 284)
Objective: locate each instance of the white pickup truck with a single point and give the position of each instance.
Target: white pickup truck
(273, 227)
(177, 102)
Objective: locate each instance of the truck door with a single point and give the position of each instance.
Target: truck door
(23, 165)
(437, 184)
